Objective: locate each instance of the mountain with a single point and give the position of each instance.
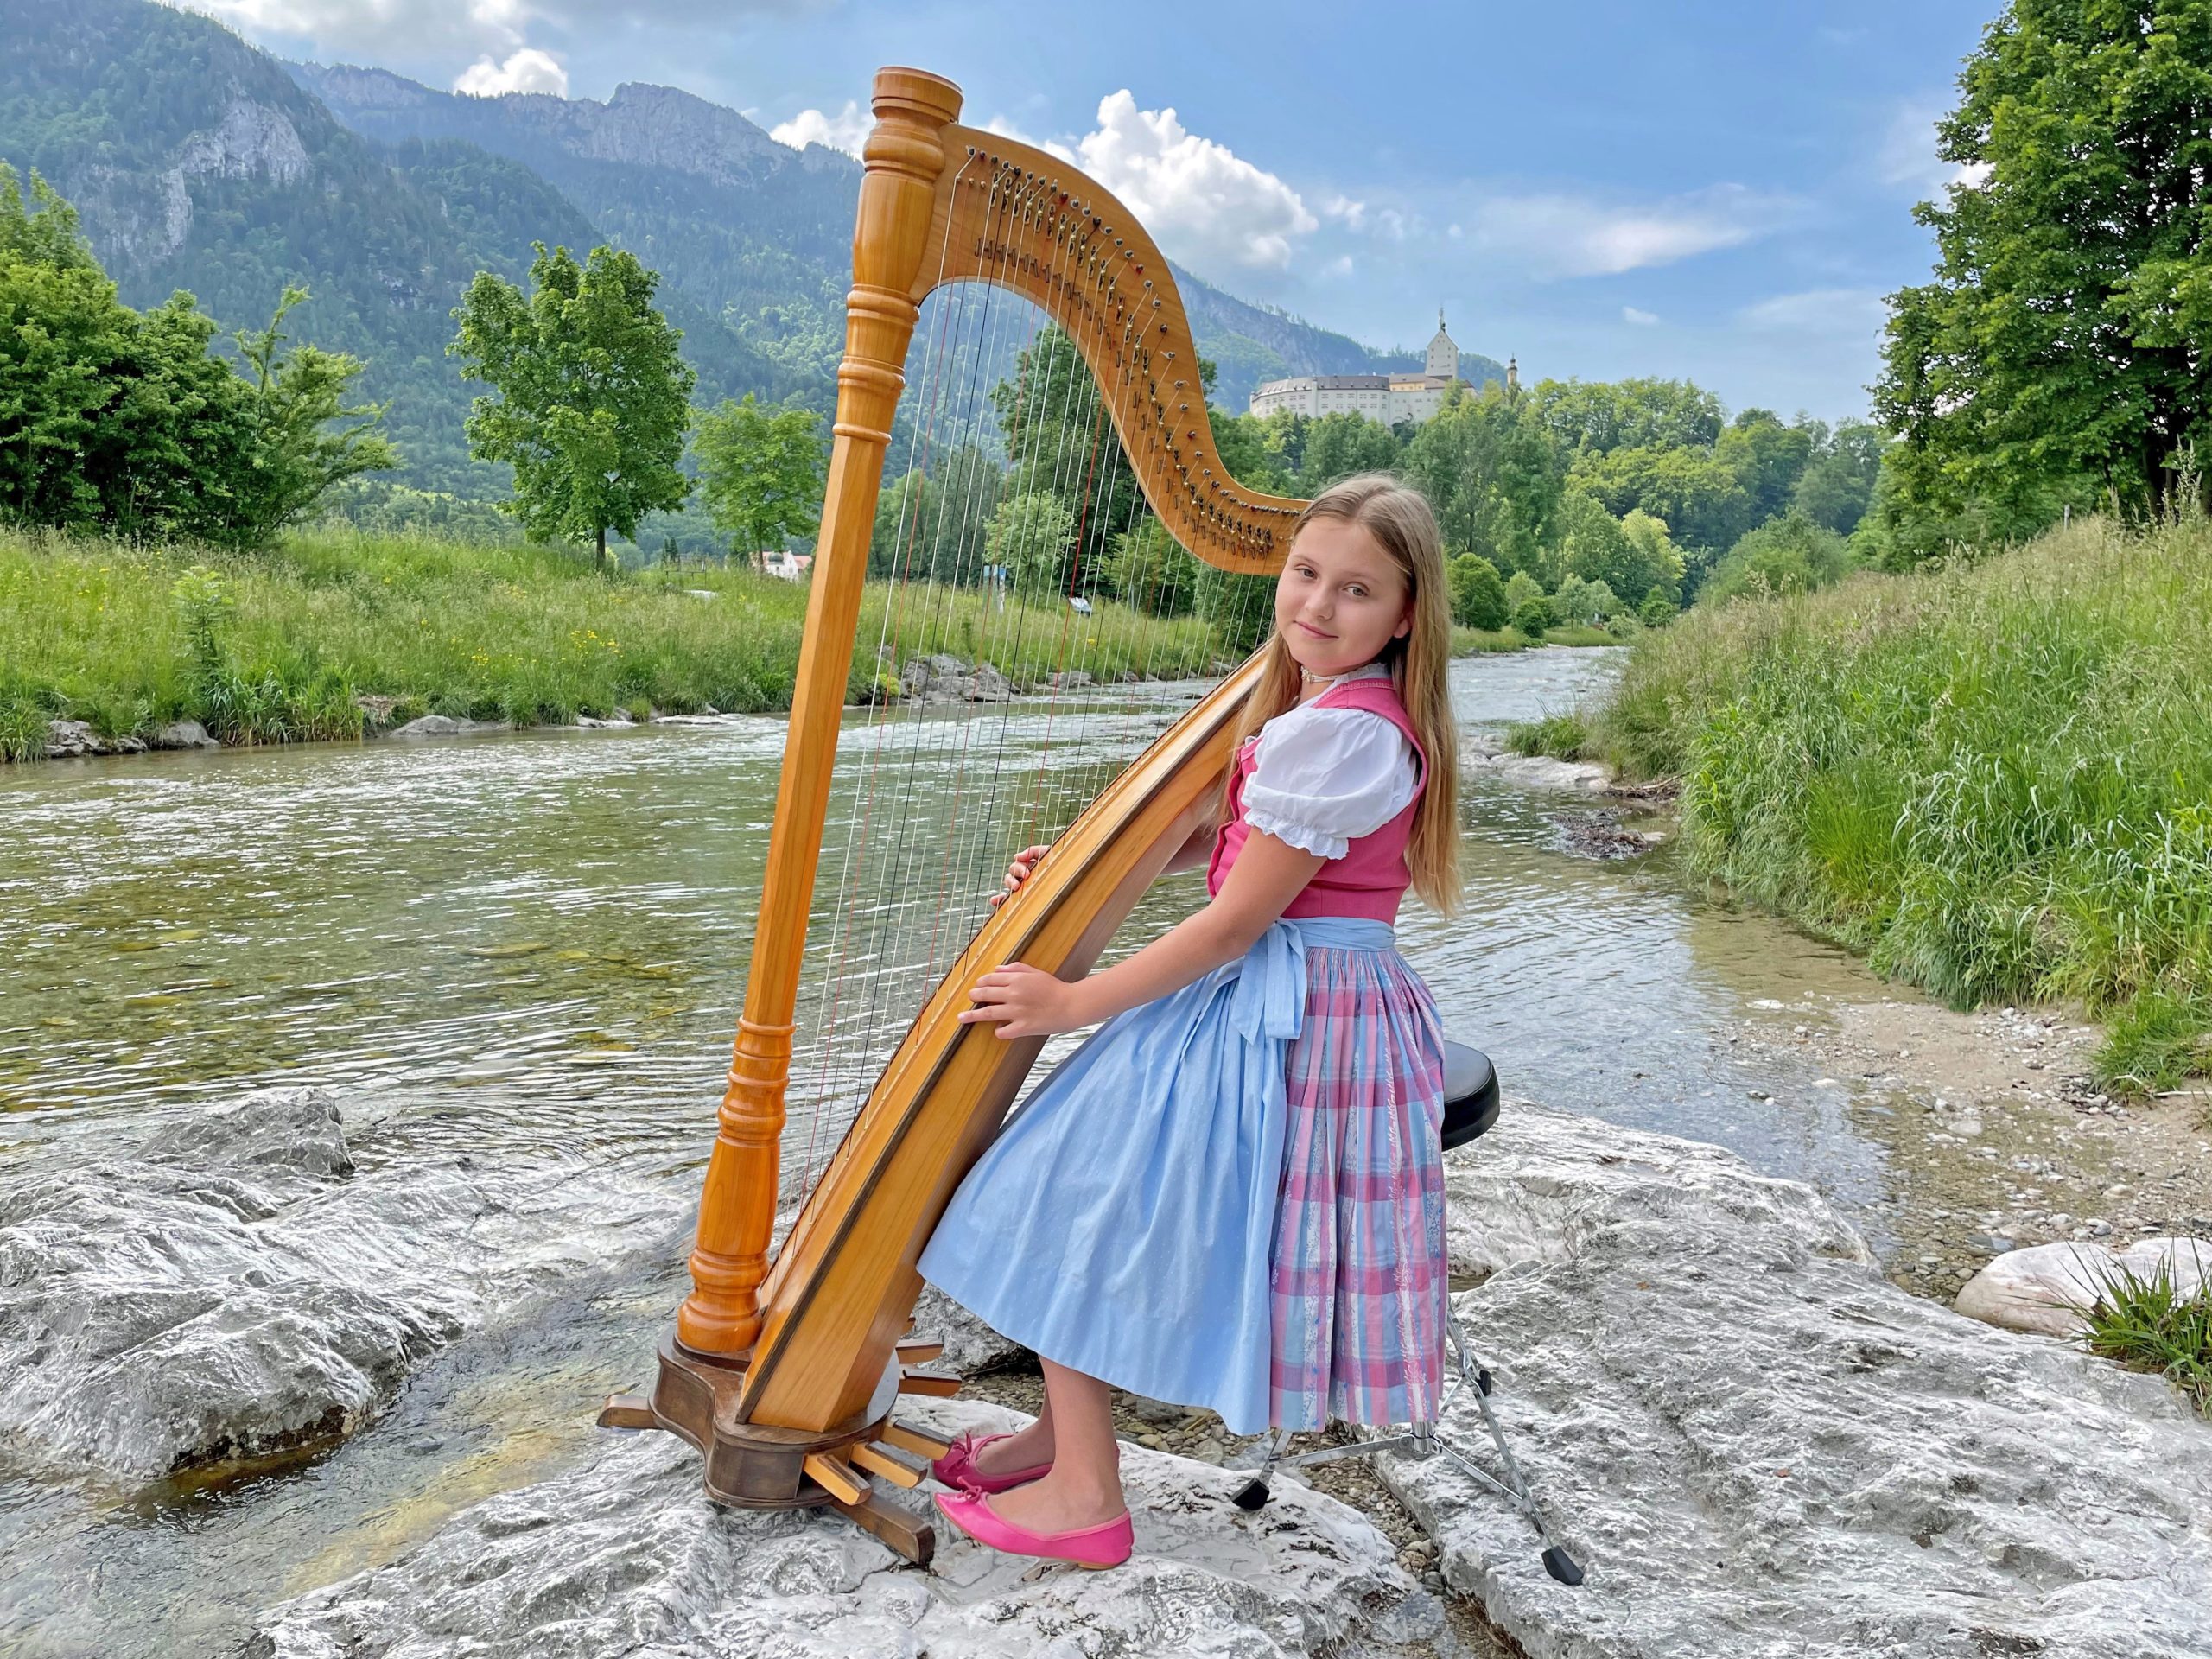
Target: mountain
(198, 161)
(736, 220)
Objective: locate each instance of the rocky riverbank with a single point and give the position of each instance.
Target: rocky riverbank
(1998, 1141)
(922, 682)
(1755, 1444)
(235, 1292)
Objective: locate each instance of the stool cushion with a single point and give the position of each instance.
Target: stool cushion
(1471, 1096)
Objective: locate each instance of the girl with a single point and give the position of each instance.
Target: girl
(1232, 1195)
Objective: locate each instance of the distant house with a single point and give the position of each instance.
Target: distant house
(792, 567)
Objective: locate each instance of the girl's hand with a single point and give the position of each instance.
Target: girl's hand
(1024, 1002)
(1018, 872)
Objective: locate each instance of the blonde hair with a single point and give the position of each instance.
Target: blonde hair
(1399, 518)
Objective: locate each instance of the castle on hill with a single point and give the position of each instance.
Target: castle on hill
(1389, 398)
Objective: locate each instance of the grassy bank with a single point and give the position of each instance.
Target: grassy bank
(282, 645)
(1995, 780)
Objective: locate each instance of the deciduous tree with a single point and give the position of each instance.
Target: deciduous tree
(593, 398)
(760, 472)
(2062, 353)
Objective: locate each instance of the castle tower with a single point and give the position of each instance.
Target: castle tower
(1512, 374)
(1443, 355)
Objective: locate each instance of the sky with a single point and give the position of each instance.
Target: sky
(1715, 189)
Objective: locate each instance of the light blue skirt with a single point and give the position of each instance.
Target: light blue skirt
(1122, 1223)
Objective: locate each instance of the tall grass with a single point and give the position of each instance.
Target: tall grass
(1995, 780)
(282, 645)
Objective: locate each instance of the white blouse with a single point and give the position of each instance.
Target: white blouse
(1323, 777)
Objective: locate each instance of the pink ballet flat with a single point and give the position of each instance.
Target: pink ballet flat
(958, 1467)
(1094, 1548)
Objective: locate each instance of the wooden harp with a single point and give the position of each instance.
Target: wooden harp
(784, 1375)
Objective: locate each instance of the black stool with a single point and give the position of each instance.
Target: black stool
(1471, 1106)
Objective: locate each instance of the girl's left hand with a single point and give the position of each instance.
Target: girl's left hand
(1024, 1002)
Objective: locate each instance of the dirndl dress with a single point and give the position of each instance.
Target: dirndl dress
(1232, 1197)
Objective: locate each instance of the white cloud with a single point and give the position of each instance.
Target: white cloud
(1817, 311)
(1206, 204)
(526, 70)
(1640, 319)
(1574, 236)
(1906, 154)
(846, 130)
(1351, 215)
(1339, 266)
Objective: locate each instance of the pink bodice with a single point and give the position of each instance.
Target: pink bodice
(1371, 877)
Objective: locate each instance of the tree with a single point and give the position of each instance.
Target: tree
(1494, 474)
(1535, 617)
(1031, 535)
(1767, 457)
(593, 398)
(1657, 611)
(1340, 445)
(1520, 588)
(1837, 485)
(123, 422)
(1698, 497)
(929, 524)
(299, 396)
(1059, 439)
(1790, 555)
(1600, 416)
(1656, 567)
(1478, 592)
(1150, 572)
(760, 472)
(2063, 354)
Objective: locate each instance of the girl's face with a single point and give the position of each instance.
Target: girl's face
(1340, 598)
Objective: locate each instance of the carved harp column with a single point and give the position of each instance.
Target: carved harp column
(903, 158)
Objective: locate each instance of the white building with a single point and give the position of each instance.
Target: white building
(1389, 398)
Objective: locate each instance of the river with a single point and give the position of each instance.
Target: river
(503, 945)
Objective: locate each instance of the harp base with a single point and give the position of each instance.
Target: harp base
(762, 1467)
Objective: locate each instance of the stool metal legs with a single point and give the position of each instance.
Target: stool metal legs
(1422, 1441)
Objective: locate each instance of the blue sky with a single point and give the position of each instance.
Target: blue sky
(1716, 188)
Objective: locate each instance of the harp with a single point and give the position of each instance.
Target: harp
(784, 1372)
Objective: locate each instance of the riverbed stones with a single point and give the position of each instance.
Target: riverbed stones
(1757, 1445)
(67, 740)
(942, 678)
(183, 735)
(235, 1288)
(623, 1554)
(1487, 751)
(447, 726)
(2046, 1287)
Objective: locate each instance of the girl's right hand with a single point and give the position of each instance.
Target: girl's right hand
(1018, 872)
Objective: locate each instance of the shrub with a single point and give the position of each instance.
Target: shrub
(1536, 617)
(1477, 592)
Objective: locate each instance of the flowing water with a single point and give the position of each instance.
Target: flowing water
(511, 946)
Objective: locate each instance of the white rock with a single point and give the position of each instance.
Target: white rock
(184, 734)
(2044, 1287)
(623, 1555)
(1760, 1449)
(234, 1288)
(1542, 771)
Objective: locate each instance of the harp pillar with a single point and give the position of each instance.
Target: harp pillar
(904, 156)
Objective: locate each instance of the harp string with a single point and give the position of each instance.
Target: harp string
(927, 805)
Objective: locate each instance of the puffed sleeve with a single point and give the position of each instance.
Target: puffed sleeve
(1322, 777)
